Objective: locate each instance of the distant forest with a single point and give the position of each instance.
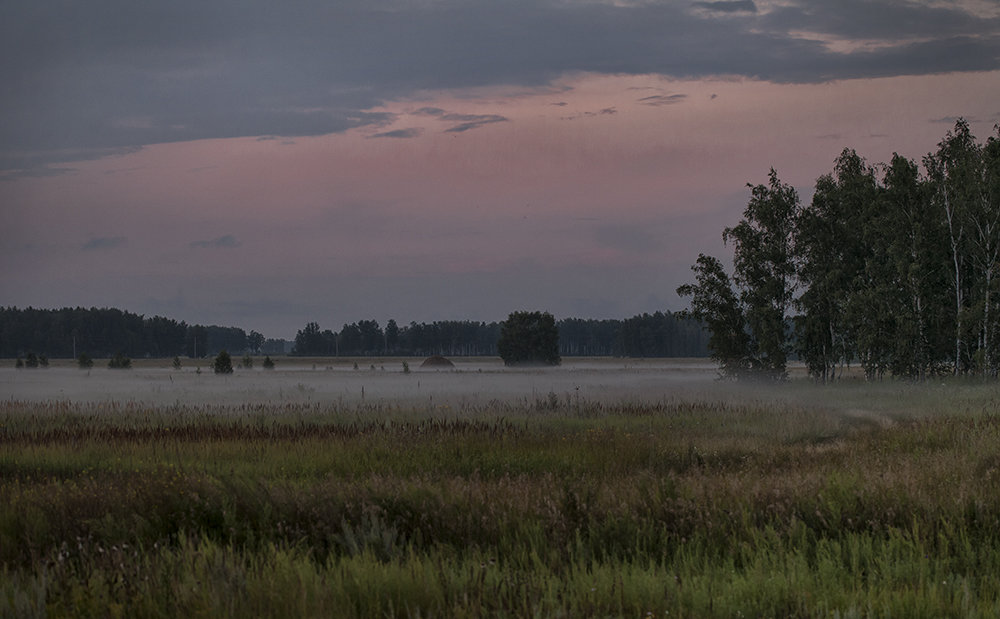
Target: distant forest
(69, 332)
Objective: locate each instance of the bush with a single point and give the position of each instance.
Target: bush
(31, 360)
(247, 361)
(268, 364)
(177, 363)
(84, 361)
(120, 362)
(223, 363)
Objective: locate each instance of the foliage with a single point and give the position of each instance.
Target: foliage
(84, 361)
(31, 360)
(223, 363)
(176, 364)
(268, 364)
(719, 507)
(895, 270)
(120, 361)
(715, 304)
(255, 342)
(247, 361)
(529, 338)
(750, 312)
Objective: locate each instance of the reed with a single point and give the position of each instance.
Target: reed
(809, 501)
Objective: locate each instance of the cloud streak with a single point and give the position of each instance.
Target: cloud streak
(411, 132)
(661, 100)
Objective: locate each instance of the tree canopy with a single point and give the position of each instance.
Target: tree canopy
(529, 338)
(889, 267)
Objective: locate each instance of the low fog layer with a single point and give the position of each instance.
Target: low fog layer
(472, 382)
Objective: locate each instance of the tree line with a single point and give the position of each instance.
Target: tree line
(102, 333)
(893, 267)
(105, 332)
(662, 334)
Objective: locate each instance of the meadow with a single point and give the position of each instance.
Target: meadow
(597, 489)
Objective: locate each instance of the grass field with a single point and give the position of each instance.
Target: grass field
(710, 500)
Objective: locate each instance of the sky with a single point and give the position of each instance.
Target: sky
(262, 165)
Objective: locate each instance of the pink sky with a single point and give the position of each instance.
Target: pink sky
(588, 195)
(560, 207)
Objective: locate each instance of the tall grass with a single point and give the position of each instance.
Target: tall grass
(849, 501)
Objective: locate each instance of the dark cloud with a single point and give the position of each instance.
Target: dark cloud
(608, 111)
(227, 241)
(732, 6)
(105, 242)
(658, 100)
(430, 111)
(466, 121)
(400, 133)
(88, 79)
(42, 171)
(475, 123)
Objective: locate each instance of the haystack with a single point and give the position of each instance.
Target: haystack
(437, 362)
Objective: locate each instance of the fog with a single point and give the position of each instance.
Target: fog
(475, 382)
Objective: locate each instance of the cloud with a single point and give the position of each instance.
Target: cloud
(466, 121)
(105, 242)
(659, 100)
(730, 6)
(430, 111)
(42, 171)
(472, 121)
(227, 241)
(87, 79)
(411, 132)
(608, 111)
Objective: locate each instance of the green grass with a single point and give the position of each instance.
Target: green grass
(853, 500)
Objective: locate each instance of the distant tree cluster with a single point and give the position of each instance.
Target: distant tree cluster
(69, 332)
(890, 266)
(101, 333)
(529, 338)
(661, 334)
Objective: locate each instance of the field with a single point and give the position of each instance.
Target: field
(601, 488)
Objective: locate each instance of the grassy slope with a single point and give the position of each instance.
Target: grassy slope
(851, 500)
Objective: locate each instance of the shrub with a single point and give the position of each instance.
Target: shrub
(120, 362)
(268, 364)
(247, 361)
(223, 363)
(84, 361)
(177, 363)
(31, 360)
